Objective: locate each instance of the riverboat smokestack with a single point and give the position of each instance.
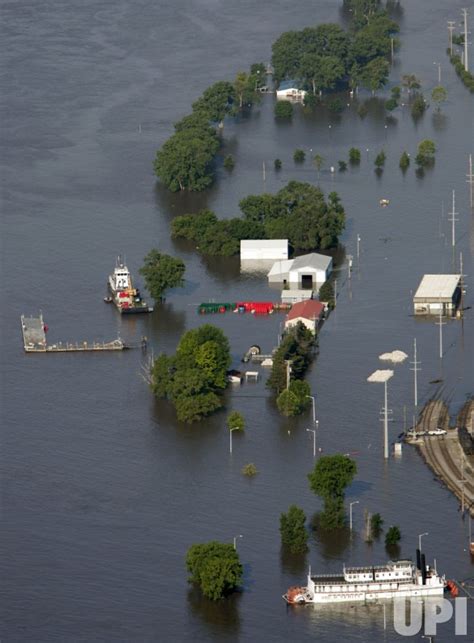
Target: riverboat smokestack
(418, 559)
(423, 569)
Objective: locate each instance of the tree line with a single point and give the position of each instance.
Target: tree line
(186, 160)
(298, 212)
(323, 56)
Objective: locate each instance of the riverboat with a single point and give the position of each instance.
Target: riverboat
(126, 298)
(396, 579)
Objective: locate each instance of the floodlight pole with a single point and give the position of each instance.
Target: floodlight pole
(385, 423)
(415, 370)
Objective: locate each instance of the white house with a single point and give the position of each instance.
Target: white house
(251, 249)
(290, 90)
(437, 294)
(306, 271)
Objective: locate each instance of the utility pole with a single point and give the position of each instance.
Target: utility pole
(415, 370)
(470, 180)
(288, 372)
(461, 282)
(391, 49)
(358, 236)
(335, 292)
(453, 220)
(264, 173)
(451, 24)
(466, 61)
(441, 323)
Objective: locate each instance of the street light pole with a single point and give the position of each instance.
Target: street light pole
(313, 398)
(356, 502)
(236, 428)
(439, 72)
(235, 540)
(420, 536)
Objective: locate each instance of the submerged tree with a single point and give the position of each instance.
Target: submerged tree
(293, 530)
(404, 161)
(215, 568)
(162, 272)
(354, 155)
(439, 95)
(426, 153)
(393, 536)
(283, 109)
(329, 479)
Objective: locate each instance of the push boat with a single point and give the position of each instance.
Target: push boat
(396, 579)
(126, 298)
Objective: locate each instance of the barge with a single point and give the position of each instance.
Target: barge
(126, 298)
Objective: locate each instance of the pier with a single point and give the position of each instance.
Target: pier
(444, 454)
(34, 340)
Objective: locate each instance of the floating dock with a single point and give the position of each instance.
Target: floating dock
(34, 340)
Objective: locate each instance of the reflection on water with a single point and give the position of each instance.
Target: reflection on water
(440, 121)
(332, 543)
(294, 565)
(222, 617)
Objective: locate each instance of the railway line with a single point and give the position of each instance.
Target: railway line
(443, 453)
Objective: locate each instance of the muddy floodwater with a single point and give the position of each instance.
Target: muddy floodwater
(103, 490)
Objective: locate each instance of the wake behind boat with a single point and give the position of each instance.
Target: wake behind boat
(395, 579)
(126, 298)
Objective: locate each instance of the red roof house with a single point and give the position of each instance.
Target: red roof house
(309, 312)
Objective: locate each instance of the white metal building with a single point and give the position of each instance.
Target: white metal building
(294, 296)
(251, 249)
(306, 271)
(437, 294)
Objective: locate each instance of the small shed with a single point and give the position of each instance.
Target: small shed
(307, 271)
(309, 312)
(437, 294)
(290, 90)
(256, 249)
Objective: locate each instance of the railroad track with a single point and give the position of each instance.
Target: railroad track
(437, 453)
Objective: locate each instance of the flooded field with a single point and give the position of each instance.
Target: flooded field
(103, 490)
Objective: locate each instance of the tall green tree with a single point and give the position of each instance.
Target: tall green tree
(217, 101)
(374, 74)
(196, 375)
(185, 160)
(426, 153)
(215, 568)
(329, 479)
(162, 272)
(293, 530)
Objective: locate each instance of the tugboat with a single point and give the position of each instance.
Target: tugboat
(126, 298)
(395, 579)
